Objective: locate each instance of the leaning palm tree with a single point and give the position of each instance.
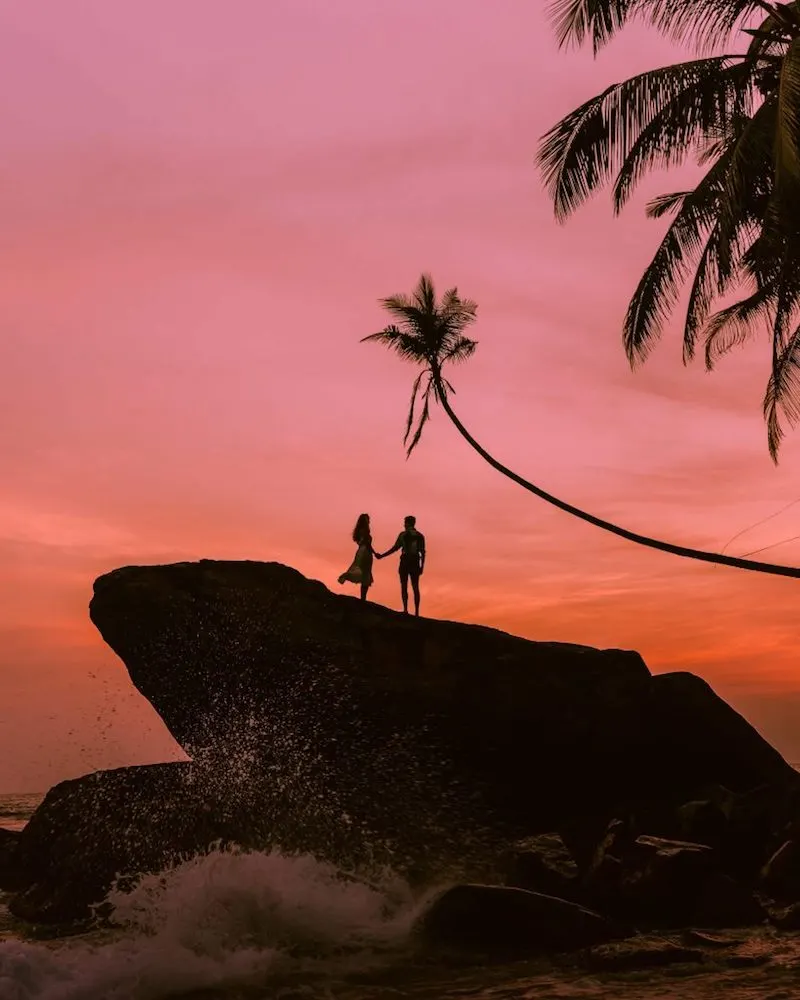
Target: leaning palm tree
(736, 110)
(430, 334)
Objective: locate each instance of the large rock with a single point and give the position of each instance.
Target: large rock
(543, 863)
(252, 660)
(91, 830)
(9, 868)
(649, 880)
(502, 922)
(324, 724)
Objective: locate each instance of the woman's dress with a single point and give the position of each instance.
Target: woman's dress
(360, 570)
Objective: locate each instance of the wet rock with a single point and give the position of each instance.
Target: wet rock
(640, 953)
(650, 880)
(780, 876)
(747, 961)
(723, 902)
(506, 923)
(705, 821)
(543, 864)
(333, 726)
(691, 936)
(244, 651)
(785, 918)
(123, 822)
(9, 868)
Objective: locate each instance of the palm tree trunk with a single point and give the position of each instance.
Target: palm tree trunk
(632, 536)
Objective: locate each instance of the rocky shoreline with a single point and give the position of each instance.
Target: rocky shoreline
(567, 798)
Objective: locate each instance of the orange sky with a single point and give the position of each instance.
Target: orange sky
(201, 204)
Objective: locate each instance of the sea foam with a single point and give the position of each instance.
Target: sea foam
(220, 921)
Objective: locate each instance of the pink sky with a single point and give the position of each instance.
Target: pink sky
(201, 204)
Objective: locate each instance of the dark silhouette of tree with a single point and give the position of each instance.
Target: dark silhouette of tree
(737, 232)
(430, 334)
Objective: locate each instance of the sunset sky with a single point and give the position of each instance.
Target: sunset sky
(201, 204)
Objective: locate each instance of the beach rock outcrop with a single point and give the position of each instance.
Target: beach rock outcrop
(320, 723)
(253, 663)
(9, 869)
(123, 822)
(543, 863)
(504, 923)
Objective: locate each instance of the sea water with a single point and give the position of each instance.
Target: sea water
(239, 926)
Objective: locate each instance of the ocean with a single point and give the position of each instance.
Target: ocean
(235, 926)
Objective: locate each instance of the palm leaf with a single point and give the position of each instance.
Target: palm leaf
(412, 406)
(460, 350)
(664, 204)
(735, 324)
(703, 22)
(683, 123)
(704, 288)
(575, 20)
(657, 290)
(581, 151)
(783, 393)
(424, 418)
(768, 38)
(403, 343)
(787, 152)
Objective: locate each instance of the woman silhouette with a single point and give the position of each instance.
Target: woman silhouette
(360, 570)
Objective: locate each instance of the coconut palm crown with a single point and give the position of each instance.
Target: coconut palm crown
(735, 109)
(430, 334)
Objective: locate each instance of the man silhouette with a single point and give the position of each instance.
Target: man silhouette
(411, 544)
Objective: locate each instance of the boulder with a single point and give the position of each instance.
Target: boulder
(641, 953)
(724, 902)
(393, 715)
(786, 918)
(649, 880)
(705, 821)
(780, 876)
(543, 864)
(324, 724)
(506, 923)
(91, 830)
(9, 868)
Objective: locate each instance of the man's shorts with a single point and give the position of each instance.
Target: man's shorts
(409, 568)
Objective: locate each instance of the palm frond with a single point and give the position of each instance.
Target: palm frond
(424, 295)
(787, 151)
(705, 24)
(719, 265)
(664, 204)
(783, 393)
(750, 161)
(580, 152)
(430, 334)
(405, 344)
(460, 350)
(423, 419)
(734, 325)
(701, 294)
(768, 38)
(681, 126)
(783, 389)
(575, 20)
(658, 287)
(412, 405)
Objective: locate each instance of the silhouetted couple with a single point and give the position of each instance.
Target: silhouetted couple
(411, 546)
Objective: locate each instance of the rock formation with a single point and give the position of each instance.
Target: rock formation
(321, 723)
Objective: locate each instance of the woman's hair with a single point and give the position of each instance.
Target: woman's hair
(361, 528)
